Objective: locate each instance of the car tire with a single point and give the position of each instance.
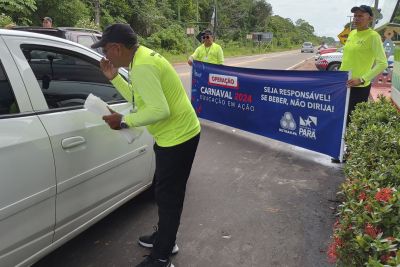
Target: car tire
(333, 66)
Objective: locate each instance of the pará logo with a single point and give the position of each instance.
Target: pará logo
(308, 126)
(311, 121)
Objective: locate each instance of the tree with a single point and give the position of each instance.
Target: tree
(6, 21)
(283, 30)
(95, 6)
(148, 16)
(19, 10)
(63, 12)
(259, 15)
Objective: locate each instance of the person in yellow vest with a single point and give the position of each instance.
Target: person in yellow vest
(364, 56)
(208, 51)
(165, 109)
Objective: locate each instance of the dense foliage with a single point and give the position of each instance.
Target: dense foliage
(367, 232)
(163, 23)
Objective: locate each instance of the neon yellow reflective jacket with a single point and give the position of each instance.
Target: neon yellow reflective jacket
(160, 98)
(212, 54)
(361, 51)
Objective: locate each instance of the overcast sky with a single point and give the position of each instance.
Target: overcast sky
(327, 16)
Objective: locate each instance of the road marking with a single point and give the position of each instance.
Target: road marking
(267, 56)
(297, 64)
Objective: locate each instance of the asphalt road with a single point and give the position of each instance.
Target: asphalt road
(278, 61)
(251, 201)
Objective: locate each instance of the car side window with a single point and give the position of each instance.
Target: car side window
(67, 78)
(85, 40)
(8, 104)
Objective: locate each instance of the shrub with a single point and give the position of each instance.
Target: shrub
(5, 20)
(173, 39)
(87, 24)
(367, 231)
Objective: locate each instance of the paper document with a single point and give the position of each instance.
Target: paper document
(95, 105)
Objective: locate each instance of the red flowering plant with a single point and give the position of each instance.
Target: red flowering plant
(367, 231)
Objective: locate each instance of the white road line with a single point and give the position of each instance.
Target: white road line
(297, 64)
(267, 56)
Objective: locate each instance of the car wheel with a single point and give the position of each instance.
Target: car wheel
(334, 67)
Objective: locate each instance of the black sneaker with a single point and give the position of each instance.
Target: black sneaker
(147, 241)
(151, 262)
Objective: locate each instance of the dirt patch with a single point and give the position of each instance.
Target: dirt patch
(308, 64)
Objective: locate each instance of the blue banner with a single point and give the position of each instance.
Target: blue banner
(302, 108)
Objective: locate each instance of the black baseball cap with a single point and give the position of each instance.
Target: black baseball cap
(208, 32)
(47, 18)
(363, 8)
(117, 33)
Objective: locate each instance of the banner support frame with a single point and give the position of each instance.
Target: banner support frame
(346, 110)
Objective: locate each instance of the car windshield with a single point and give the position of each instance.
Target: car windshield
(307, 44)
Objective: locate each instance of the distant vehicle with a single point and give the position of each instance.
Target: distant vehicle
(85, 37)
(329, 61)
(307, 47)
(325, 51)
(62, 167)
(332, 62)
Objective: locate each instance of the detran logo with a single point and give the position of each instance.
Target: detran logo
(223, 80)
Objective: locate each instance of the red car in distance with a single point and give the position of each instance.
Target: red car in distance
(325, 51)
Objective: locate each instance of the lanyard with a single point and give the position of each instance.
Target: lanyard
(207, 51)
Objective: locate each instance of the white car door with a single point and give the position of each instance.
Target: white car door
(27, 172)
(96, 168)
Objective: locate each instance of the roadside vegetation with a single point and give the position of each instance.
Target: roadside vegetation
(367, 231)
(162, 24)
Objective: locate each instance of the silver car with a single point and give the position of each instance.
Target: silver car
(307, 47)
(62, 168)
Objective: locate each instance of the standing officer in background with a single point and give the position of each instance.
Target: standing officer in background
(162, 106)
(209, 51)
(47, 22)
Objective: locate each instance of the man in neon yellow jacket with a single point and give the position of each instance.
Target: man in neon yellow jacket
(362, 50)
(164, 108)
(209, 51)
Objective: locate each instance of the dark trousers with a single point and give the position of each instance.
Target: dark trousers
(357, 95)
(173, 165)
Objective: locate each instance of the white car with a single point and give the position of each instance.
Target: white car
(329, 61)
(62, 168)
(307, 47)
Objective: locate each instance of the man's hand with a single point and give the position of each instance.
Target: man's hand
(113, 120)
(108, 69)
(353, 82)
(190, 61)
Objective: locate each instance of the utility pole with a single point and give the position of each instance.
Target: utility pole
(376, 9)
(351, 22)
(96, 12)
(215, 18)
(197, 16)
(179, 11)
